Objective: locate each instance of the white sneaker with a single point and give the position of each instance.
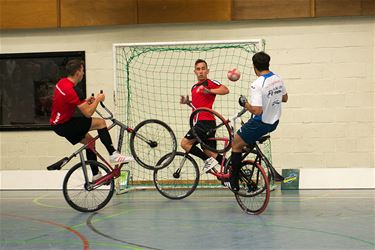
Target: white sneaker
(209, 164)
(116, 157)
(96, 177)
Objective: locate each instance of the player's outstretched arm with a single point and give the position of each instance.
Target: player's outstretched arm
(222, 90)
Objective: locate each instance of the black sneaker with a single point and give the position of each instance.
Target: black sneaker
(232, 185)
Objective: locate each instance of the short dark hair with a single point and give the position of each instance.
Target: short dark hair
(261, 61)
(73, 66)
(200, 61)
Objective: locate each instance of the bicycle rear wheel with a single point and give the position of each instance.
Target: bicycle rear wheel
(78, 193)
(179, 179)
(150, 141)
(222, 133)
(254, 193)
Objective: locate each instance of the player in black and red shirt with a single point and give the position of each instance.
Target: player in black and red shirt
(75, 129)
(203, 94)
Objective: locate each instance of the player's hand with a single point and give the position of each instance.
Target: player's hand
(242, 100)
(91, 99)
(184, 99)
(204, 90)
(100, 97)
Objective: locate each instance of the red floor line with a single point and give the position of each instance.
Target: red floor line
(83, 238)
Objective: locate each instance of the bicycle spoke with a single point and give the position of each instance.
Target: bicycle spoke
(150, 140)
(254, 192)
(179, 179)
(79, 196)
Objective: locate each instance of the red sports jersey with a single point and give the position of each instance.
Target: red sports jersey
(199, 99)
(65, 99)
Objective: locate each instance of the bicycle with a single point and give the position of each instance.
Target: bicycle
(181, 177)
(156, 139)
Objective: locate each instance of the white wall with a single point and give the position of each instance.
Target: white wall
(327, 64)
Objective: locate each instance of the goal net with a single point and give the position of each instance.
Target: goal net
(150, 78)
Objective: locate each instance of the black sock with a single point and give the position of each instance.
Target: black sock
(197, 152)
(92, 157)
(236, 164)
(105, 138)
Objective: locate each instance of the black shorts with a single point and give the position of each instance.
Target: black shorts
(201, 127)
(73, 130)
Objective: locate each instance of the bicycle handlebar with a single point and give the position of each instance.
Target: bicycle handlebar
(243, 111)
(239, 114)
(110, 117)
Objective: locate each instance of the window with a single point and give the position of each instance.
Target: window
(27, 81)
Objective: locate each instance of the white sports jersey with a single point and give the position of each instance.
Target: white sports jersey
(267, 92)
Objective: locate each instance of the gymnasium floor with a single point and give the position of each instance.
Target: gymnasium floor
(209, 219)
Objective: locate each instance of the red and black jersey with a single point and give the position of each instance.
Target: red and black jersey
(200, 99)
(65, 99)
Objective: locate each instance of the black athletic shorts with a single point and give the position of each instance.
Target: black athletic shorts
(73, 130)
(201, 127)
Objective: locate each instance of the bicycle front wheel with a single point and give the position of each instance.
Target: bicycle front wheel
(179, 179)
(254, 192)
(221, 134)
(150, 141)
(83, 196)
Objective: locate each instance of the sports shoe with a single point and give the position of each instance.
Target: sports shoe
(232, 184)
(116, 157)
(209, 164)
(96, 177)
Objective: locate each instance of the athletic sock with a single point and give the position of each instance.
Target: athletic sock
(236, 165)
(197, 152)
(105, 138)
(92, 157)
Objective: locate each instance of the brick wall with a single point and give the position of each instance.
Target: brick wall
(327, 64)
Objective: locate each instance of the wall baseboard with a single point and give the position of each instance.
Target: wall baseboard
(311, 178)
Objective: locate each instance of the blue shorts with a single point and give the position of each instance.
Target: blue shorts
(253, 130)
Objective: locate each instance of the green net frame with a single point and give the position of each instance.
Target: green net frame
(150, 77)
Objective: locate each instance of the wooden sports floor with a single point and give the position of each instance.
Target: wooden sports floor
(208, 219)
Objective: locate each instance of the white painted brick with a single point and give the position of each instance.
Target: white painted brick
(346, 114)
(365, 85)
(349, 159)
(345, 144)
(287, 72)
(348, 70)
(322, 55)
(346, 85)
(351, 55)
(366, 144)
(356, 39)
(364, 114)
(359, 129)
(315, 71)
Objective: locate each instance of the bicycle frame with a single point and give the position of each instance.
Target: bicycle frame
(115, 171)
(251, 148)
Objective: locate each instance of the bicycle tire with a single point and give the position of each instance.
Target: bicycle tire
(254, 193)
(174, 181)
(78, 196)
(223, 132)
(150, 141)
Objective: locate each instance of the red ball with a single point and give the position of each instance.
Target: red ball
(233, 75)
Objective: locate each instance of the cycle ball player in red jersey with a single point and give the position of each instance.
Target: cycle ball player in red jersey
(203, 94)
(75, 129)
